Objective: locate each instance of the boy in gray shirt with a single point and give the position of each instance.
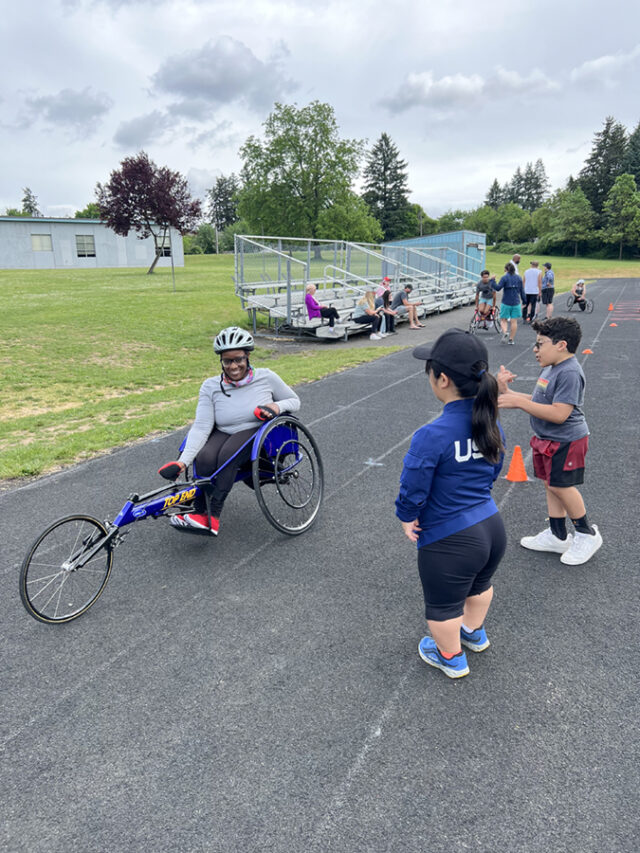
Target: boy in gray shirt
(561, 438)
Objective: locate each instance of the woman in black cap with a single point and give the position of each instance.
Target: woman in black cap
(445, 503)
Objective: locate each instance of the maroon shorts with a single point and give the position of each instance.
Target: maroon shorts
(559, 464)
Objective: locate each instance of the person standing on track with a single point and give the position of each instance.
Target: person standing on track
(532, 291)
(512, 298)
(561, 439)
(445, 503)
(548, 289)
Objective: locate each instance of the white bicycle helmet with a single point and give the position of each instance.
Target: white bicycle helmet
(233, 337)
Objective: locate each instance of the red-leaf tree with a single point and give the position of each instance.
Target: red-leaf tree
(148, 199)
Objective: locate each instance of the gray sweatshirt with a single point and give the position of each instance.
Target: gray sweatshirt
(235, 412)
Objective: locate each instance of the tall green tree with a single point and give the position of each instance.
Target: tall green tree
(485, 220)
(420, 222)
(495, 195)
(296, 171)
(514, 191)
(222, 202)
(29, 203)
(535, 186)
(621, 213)
(573, 217)
(632, 160)
(452, 220)
(385, 188)
(349, 219)
(605, 162)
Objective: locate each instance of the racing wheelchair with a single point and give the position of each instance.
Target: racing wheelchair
(69, 564)
(491, 321)
(572, 303)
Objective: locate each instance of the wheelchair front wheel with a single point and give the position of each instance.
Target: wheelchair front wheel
(570, 302)
(589, 306)
(288, 476)
(64, 572)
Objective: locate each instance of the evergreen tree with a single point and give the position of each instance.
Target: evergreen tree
(515, 187)
(621, 213)
(29, 203)
(385, 189)
(222, 201)
(604, 164)
(632, 162)
(495, 196)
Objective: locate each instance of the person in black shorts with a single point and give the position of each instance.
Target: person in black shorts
(548, 289)
(445, 503)
(561, 439)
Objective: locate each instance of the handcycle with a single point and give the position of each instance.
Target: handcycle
(69, 564)
(571, 303)
(492, 319)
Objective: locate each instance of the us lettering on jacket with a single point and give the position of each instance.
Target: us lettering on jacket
(470, 451)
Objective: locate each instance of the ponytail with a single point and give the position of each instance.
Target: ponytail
(484, 418)
(483, 387)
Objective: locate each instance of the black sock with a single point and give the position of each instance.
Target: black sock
(582, 526)
(558, 527)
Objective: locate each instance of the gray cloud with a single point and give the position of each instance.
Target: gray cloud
(605, 68)
(219, 136)
(140, 131)
(71, 109)
(424, 89)
(221, 72)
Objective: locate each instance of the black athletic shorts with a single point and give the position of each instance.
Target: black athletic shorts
(460, 565)
(547, 295)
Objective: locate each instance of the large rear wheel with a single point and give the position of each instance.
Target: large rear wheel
(66, 569)
(288, 476)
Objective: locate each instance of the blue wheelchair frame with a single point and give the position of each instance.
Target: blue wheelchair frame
(151, 505)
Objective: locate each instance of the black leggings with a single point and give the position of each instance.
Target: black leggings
(219, 448)
(372, 319)
(330, 313)
(460, 565)
(532, 298)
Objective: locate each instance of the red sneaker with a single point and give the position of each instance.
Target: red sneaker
(201, 522)
(194, 521)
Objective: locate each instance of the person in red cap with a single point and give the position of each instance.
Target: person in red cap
(383, 287)
(445, 503)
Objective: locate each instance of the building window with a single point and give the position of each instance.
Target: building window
(85, 245)
(165, 246)
(41, 243)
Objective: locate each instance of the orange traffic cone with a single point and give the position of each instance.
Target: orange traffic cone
(517, 472)
(611, 306)
(587, 352)
(613, 324)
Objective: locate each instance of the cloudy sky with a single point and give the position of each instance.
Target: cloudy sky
(467, 90)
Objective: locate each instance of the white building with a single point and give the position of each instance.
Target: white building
(41, 243)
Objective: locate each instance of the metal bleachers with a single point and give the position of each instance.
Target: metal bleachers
(271, 275)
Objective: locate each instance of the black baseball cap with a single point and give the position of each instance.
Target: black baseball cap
(457, 350)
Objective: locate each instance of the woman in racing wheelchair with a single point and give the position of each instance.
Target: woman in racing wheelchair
(230, 410)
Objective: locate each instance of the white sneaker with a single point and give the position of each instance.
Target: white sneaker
(382, 334)
(547, 541)
(374, 337)
(583, 547)
(332, 331)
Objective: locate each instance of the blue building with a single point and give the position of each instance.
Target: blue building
(439, 254)
(41, 243)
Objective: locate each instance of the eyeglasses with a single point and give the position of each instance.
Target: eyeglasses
(539, 344)
(229, 362)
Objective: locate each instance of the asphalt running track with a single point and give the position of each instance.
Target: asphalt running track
(258, 693)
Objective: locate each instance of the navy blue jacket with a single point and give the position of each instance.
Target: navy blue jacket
(445, 483)
(513, 290)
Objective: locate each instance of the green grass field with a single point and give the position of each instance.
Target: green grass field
(93, 359)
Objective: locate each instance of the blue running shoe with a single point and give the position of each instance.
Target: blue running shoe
(454, 668)
(476, 640)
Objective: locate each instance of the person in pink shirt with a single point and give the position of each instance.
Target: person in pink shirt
(383, 287)
(315, 310)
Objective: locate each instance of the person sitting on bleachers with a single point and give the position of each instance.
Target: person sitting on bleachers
(366, 312)
(315, 310)
(401, 305)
